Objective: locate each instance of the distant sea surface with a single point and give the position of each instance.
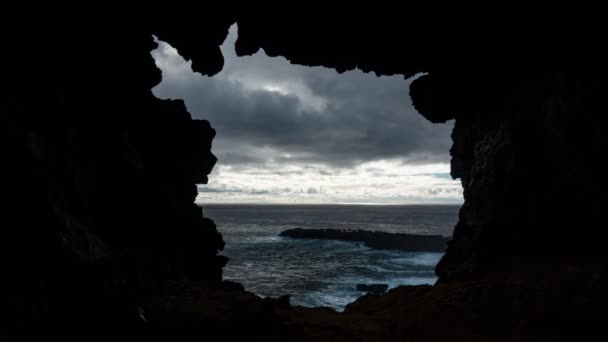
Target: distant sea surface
(323, 272)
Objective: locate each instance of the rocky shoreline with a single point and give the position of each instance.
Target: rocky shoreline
(374, 239)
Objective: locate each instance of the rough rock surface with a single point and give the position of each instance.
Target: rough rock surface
(374, 239)
(98, 176)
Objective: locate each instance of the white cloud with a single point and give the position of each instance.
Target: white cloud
(390, 182)
(293, 134)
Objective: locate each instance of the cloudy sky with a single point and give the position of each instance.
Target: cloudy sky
(294, 134)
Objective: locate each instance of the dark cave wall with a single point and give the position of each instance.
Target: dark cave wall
(525, 158)
(98, 176)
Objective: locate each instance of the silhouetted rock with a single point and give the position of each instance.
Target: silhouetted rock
(284, 300)
(374, 239)
(229, 284)
(372, 288)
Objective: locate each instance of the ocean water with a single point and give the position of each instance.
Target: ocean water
(324, 272)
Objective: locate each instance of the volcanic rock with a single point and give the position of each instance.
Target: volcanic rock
(374, 239)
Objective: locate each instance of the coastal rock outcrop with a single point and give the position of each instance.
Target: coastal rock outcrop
(374, 239)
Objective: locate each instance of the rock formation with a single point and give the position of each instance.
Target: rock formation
(372, 288)
(374, 239)
(98, 176)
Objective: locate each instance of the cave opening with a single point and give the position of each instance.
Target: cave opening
(307, 147)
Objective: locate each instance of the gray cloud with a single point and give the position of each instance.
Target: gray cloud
(266, 110)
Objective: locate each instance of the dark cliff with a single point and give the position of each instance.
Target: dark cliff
(98, 176)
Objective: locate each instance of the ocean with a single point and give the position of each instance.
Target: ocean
(324, 272)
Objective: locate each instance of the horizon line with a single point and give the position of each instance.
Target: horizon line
(326, 203)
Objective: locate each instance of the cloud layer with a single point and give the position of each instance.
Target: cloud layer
(288, 133)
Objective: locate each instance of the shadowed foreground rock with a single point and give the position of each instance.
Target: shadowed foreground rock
(374, 239)
(372, 288)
